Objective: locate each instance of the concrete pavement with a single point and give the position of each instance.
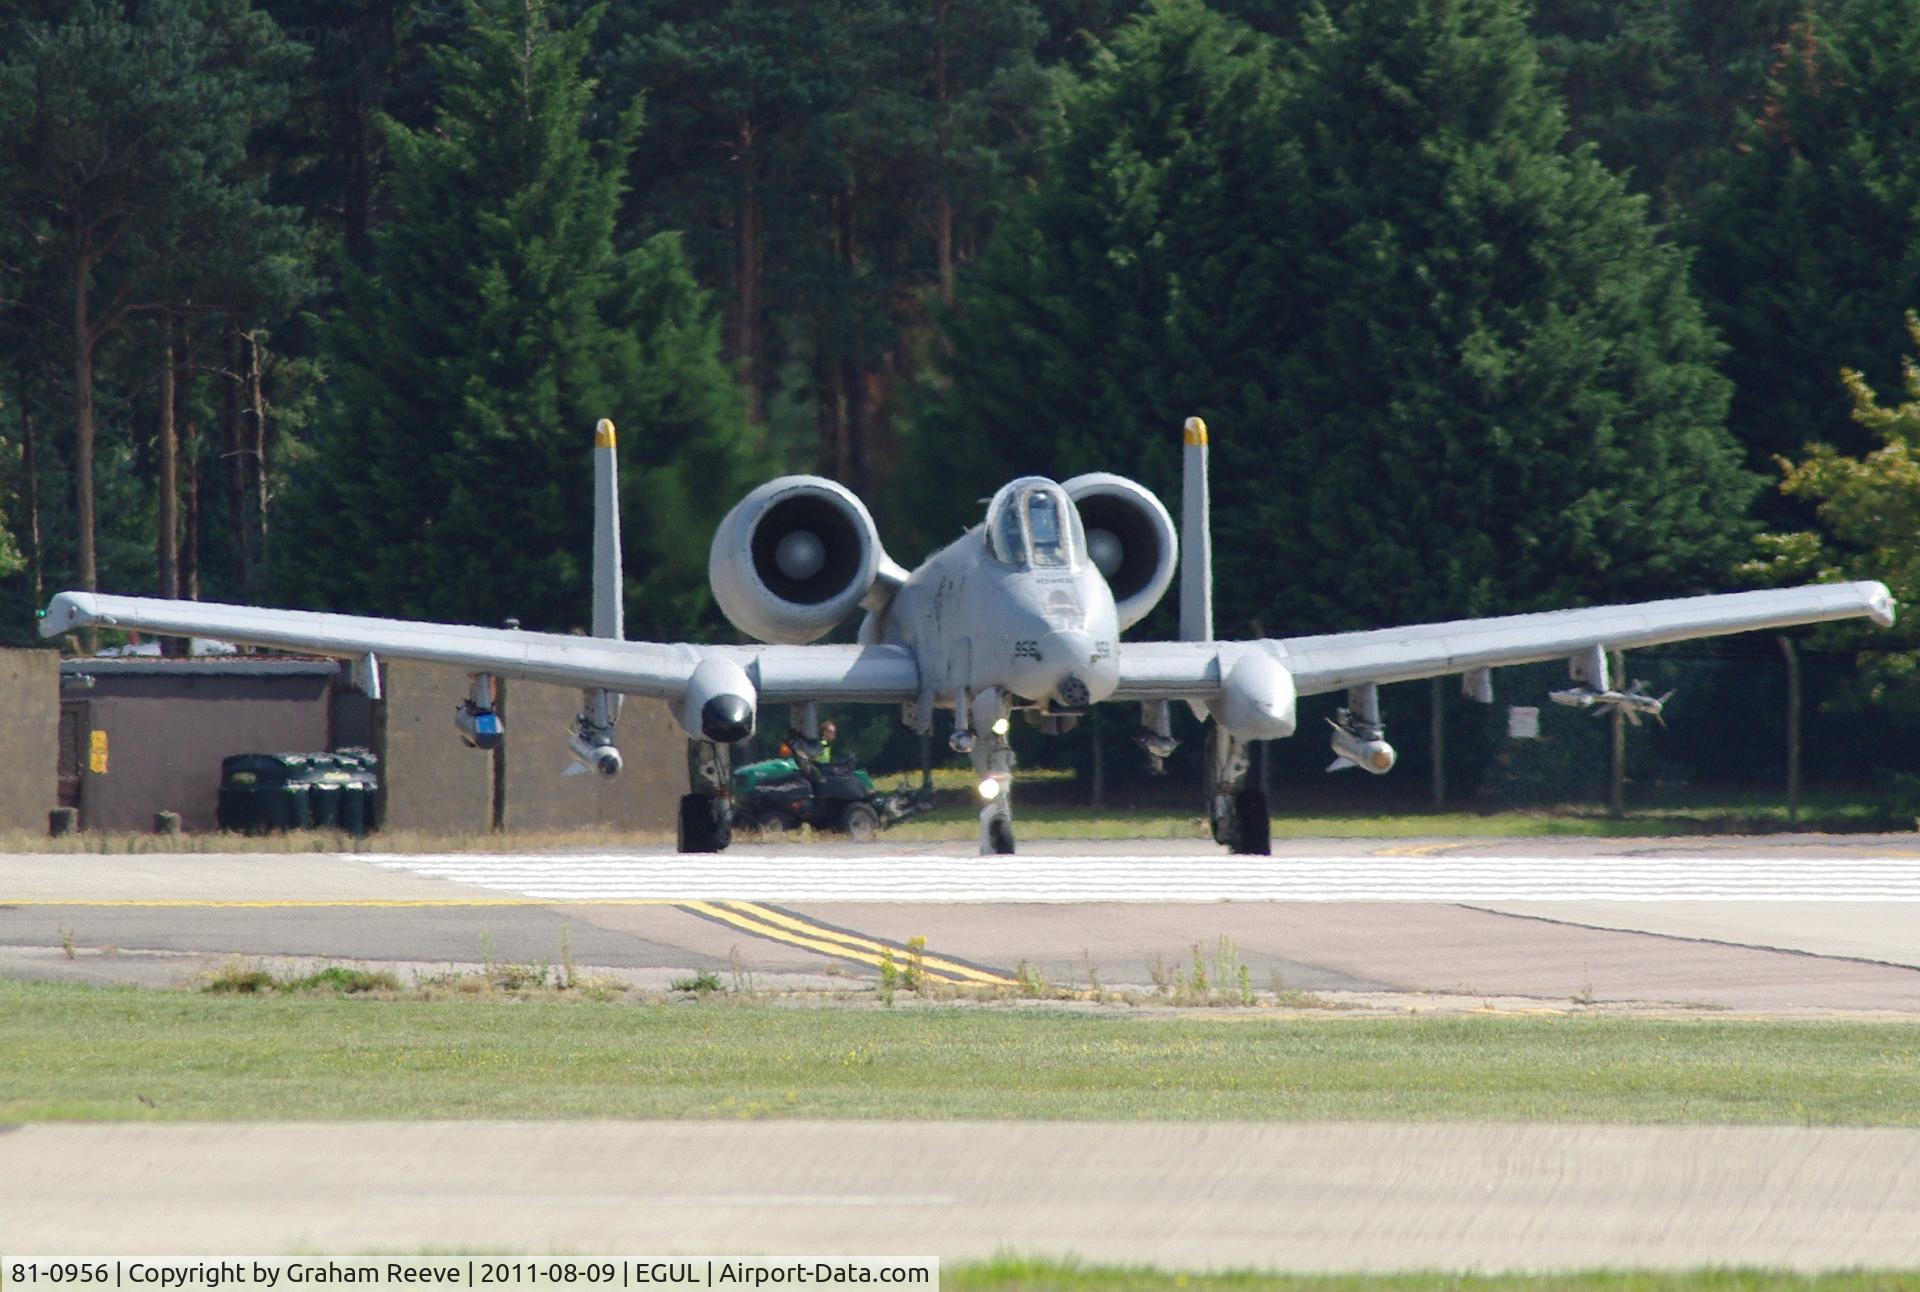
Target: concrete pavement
(1327, 1197)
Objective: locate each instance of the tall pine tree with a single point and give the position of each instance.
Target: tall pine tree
(493, 323)
(1452, 370)
(1810, 255)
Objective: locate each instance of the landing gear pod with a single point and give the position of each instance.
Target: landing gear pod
(719, 702)
(1257, 700)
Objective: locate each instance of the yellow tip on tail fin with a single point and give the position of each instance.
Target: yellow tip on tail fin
(603, 433)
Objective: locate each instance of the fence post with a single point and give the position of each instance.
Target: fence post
(1617, 769)
(1439, 744)
(1788, 649)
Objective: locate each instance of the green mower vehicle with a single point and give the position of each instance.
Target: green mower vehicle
(781, 794)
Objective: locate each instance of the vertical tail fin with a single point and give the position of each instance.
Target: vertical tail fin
(609, 611)
(1196, 538)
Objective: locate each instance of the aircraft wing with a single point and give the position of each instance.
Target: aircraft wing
(781, 674)
(1336, 661)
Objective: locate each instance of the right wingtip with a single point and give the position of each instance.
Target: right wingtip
(1880, 603)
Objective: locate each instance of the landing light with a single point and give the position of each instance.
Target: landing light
(990, 788)
(1000, 728)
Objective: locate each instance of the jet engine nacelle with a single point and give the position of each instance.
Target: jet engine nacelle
(794, 558)
(1130, 538)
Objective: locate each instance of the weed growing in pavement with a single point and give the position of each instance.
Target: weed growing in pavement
(915, 976)
(66, 942)
(1293, 998)
(238, 977)
(889, 976)
(700, 984)
(1032, 983)
(1216, 978)
(1197, 984)
(569, 974)
(343, 980)
(1093, 974)
(743, 987)
(519, 977)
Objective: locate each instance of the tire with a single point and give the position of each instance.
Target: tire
(1000, 835)
(772, 826)
(860, 822)
(1256, 830)
(698, 830)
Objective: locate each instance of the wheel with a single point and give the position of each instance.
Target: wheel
(773, 826)
(699, 832)
(861, 822)
(1000, 835)
(1256, 834)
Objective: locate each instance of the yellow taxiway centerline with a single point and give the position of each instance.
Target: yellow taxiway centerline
(289, 903)
(777, 927)
(749, 917)
(938, 962)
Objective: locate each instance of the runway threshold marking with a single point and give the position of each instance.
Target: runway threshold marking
(779, 925)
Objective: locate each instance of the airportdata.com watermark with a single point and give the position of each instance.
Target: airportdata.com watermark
(461, 1273)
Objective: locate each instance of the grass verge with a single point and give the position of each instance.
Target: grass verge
(1041, 1276)
(959, 822)
(85, 1053)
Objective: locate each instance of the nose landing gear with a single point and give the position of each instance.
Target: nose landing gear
(993, 770)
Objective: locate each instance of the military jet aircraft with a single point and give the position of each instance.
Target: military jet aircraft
(1023, 612)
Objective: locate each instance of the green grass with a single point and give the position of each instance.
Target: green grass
(1014, 1275)
(84, 1053)
(1043, 816)
(1704, 814)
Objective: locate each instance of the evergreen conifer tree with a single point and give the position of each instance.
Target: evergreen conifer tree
(1810, 255)
(493, 324)
(1451, 369)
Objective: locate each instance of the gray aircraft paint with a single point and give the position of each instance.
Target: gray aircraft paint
(981, 635)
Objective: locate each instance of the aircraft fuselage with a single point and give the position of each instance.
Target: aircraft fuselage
(974, 623)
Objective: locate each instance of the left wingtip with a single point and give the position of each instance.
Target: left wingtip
(67, 611)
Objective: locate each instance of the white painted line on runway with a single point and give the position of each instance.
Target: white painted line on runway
(860, 875)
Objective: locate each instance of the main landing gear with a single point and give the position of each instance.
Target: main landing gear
(706, 814)
(1237, 811)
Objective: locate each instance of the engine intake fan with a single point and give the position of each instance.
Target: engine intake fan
(794, 558)
(1130, 539)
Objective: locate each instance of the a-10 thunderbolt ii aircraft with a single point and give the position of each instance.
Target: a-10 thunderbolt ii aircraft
(1023, 612)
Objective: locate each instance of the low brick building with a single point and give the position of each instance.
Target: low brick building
(124, 739)
(29, 737)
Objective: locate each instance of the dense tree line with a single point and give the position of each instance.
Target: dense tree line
(1493, 307)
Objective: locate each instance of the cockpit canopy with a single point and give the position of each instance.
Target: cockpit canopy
(1031, 524)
